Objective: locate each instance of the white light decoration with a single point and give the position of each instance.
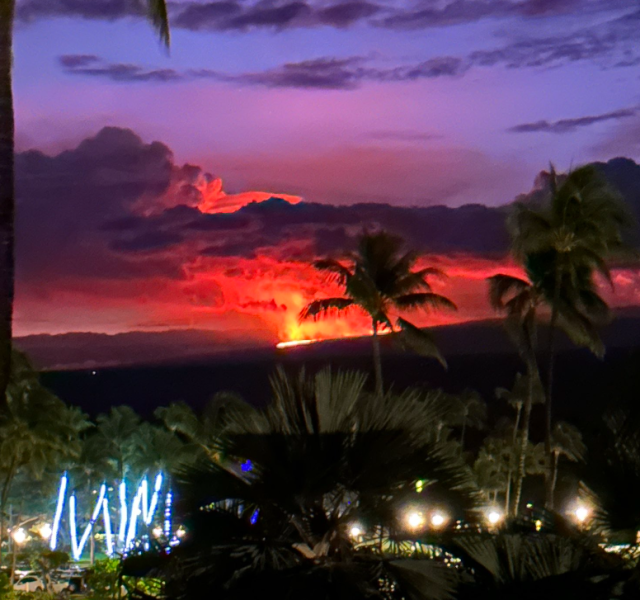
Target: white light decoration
(107, 527)
(133, 519)
(157, 532)
(59, 506)
(72, 527)
(168, 501)
(19, 536)
(143, 490)
(94, 516)
(122, 530)
(154, 499)
(141, 506)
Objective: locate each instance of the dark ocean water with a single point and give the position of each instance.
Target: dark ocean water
(584, 384)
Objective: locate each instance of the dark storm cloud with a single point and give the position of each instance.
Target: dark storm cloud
(570, 125)
(65, 200)
(152, 240)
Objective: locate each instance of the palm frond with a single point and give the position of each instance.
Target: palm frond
(159, 17)
(502, 286)
(323, 308)
(337, 271)
(424, 300)
(420, 341)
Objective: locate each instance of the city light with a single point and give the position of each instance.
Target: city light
(494, 517)
(355, 531)
(19, 536)
(45, 531)
(415, 520)
(157, 532)
(419, 485)
(581, 513)
(538, 525)
(438, 519)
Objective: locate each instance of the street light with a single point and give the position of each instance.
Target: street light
(157, 532)
(19, 536)
(45, 531)
(438, 519)
(494, 517)
(355, 531)
(581, 513)
(415, 520)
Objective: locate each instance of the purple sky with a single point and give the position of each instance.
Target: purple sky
(411, 103)
(421, 102)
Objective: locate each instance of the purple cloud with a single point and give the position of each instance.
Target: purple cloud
(570, 125)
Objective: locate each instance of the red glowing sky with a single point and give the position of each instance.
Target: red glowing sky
(139, 243)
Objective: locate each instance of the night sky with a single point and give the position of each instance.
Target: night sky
(148, 224)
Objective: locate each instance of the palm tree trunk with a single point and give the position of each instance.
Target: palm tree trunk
(554, 477)
(7, 194)
(507, 494)
(4, 497)
(550, 366)
(532, 372)
(464, 428)
(377, 360)
(516, 426)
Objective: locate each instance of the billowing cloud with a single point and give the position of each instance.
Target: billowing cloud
(570, 125)
(127, 239)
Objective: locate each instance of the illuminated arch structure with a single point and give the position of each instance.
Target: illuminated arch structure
(142, 508)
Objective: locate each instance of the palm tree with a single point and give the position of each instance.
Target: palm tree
(519, 300)
(566, 442)
(117, 431)
(202, 431)
(38, 431)
(562, 245)
(471, 412)
(380, 279)
(326, 456)
(555, 565)
(157, 11)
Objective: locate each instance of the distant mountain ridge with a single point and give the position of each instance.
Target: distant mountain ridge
(77, 351)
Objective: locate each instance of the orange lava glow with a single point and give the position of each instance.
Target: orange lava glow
(216, 200)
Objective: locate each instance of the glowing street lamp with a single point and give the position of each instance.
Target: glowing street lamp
(45, 531)
(157, 532)
(415, 520)
(19, 536)
(355, 531)
(438, 519)
(581, 514)
(494, 517)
